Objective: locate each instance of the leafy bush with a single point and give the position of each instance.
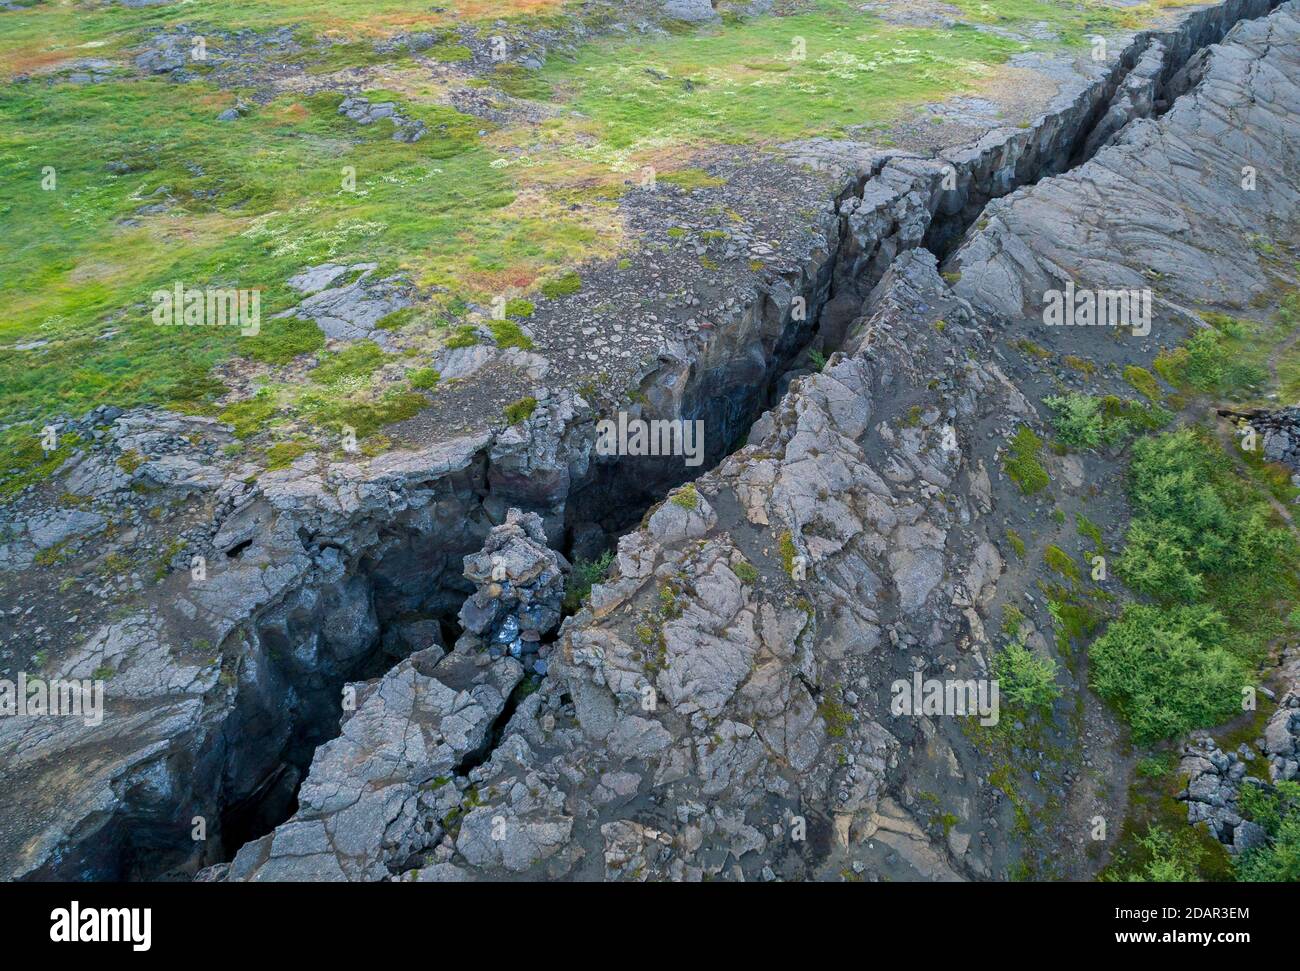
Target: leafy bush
(1171, 859)
(1024, 678)
(1202, 545)
(1205, 363)
(1277, 809)
(1198, 526)
(585, 575)
(1082, 421)
(1166, 669)
(1077, 420)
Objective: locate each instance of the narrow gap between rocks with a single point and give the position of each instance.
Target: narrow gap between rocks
(616, 496)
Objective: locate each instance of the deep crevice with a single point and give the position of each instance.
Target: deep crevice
(729, 397)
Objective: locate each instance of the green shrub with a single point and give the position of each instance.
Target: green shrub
(1277, 809)
(1197, 526)
(424, 378)
(1170, 859)
(1160, 564)
(1167, 671)
(509, 334)
(1077, 420)
(1205, 363)
(1085, 422)
(1024, 678)
(586, 574)
(465, 335)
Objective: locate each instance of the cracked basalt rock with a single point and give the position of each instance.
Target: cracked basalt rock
(1189, 222)
(727, 685)
(520, 589)
(691, 714)
(382, 790)
(691, 687)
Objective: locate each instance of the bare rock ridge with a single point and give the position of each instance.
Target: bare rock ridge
(1157, 197)
(730, 678)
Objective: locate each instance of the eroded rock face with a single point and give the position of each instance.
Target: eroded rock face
(379, 792)
(520, 591)
(1179, 193)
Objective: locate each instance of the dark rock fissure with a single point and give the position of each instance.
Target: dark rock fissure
(902, 203)
(1152, 72)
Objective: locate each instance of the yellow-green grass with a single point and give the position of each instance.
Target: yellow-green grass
(75, 270)
(61, 30)
(477, 210)
(746, 81)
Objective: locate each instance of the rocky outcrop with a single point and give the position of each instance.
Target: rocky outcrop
(1278, 433)
(363, 112)
(520, 590)
(1161, 196)
(1215, 777)
(718, 709)
(713, 711)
